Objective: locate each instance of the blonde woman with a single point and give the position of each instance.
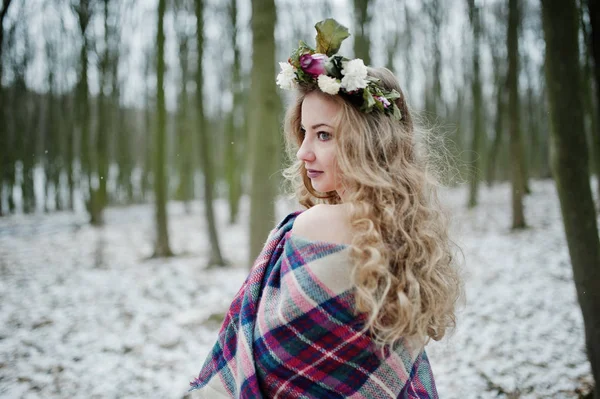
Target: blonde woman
(345, 294)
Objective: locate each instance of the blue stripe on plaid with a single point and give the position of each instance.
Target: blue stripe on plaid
(421, 384)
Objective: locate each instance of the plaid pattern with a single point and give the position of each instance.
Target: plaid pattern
(291, 332)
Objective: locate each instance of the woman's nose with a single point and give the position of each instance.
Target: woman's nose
(305, 153)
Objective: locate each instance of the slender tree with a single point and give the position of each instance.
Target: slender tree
(407, 43)
(478, 132)
(593, 41)
(544, 125)
(5, 167)
(119, 138)
(149, 127)
(72, 103)
(516, 151)
(393, 40)
(234, 154)
(521, 9)
(68, 121)
(3, 13)
(495, 37)
(185, 142)
(53, 137)
(588, 83)
(98, 194)
(83, 11)
(264, 145)
(204, 140)
(433, 95)
(125, 157)
(162, 247)
(570, 164)
(25, 126)
(10, 139)
(498, 128)
(534, 155)
(362, 47)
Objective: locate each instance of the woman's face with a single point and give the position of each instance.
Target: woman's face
(318, 147)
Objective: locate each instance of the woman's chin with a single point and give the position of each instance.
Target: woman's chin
(322, 188)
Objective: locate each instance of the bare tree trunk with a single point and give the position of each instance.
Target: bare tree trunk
(99, 195)
(407, 44)
(120, 128)
(498, 129)
(544, 126)
(52, 152)
(162, 247)
(393, 43)
(216, 258)
(499, 72)
(13, 141)
(532, 124)
(125, 158)
(478, 130)
(149, 132)
(362, 47)
(25, 113)
(594, 46)
(516, 151)
(5, 158)
(570, 165)
(69, 150)
(83, 120)
(185, 142)
(534, 131)
(234, 159)
(264, 145)
(434, 10)
(83, 11)
(3, 12)
(588, 96)
(9, 119)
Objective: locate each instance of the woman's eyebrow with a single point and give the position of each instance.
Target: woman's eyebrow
(318, 125)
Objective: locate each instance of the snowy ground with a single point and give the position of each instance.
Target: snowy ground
(84, 313)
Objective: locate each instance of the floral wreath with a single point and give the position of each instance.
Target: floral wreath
(334, 74)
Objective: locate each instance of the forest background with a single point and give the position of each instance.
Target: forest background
(101, 111)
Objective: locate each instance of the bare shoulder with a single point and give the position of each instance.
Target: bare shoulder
(330, 223)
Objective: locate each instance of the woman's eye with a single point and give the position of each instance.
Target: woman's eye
(324, 136)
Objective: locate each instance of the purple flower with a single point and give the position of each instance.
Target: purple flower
(386, 103)
(313, 64)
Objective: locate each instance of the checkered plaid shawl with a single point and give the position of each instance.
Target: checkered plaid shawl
(291, 332)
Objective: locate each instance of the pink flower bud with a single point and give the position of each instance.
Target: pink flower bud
(313, 64)
(384, 101)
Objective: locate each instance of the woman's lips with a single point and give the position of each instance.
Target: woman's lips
(311, 173)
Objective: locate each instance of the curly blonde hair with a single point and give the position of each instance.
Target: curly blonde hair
(404, 275)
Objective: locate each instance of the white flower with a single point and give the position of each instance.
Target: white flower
(355, 75)
(287, 77)
(328, 84)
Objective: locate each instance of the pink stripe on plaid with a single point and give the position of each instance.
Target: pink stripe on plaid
(296, 294)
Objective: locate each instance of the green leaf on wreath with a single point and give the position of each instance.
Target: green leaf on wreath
(393, 95)
(369, 101)
(397, 114)
(330, 35)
